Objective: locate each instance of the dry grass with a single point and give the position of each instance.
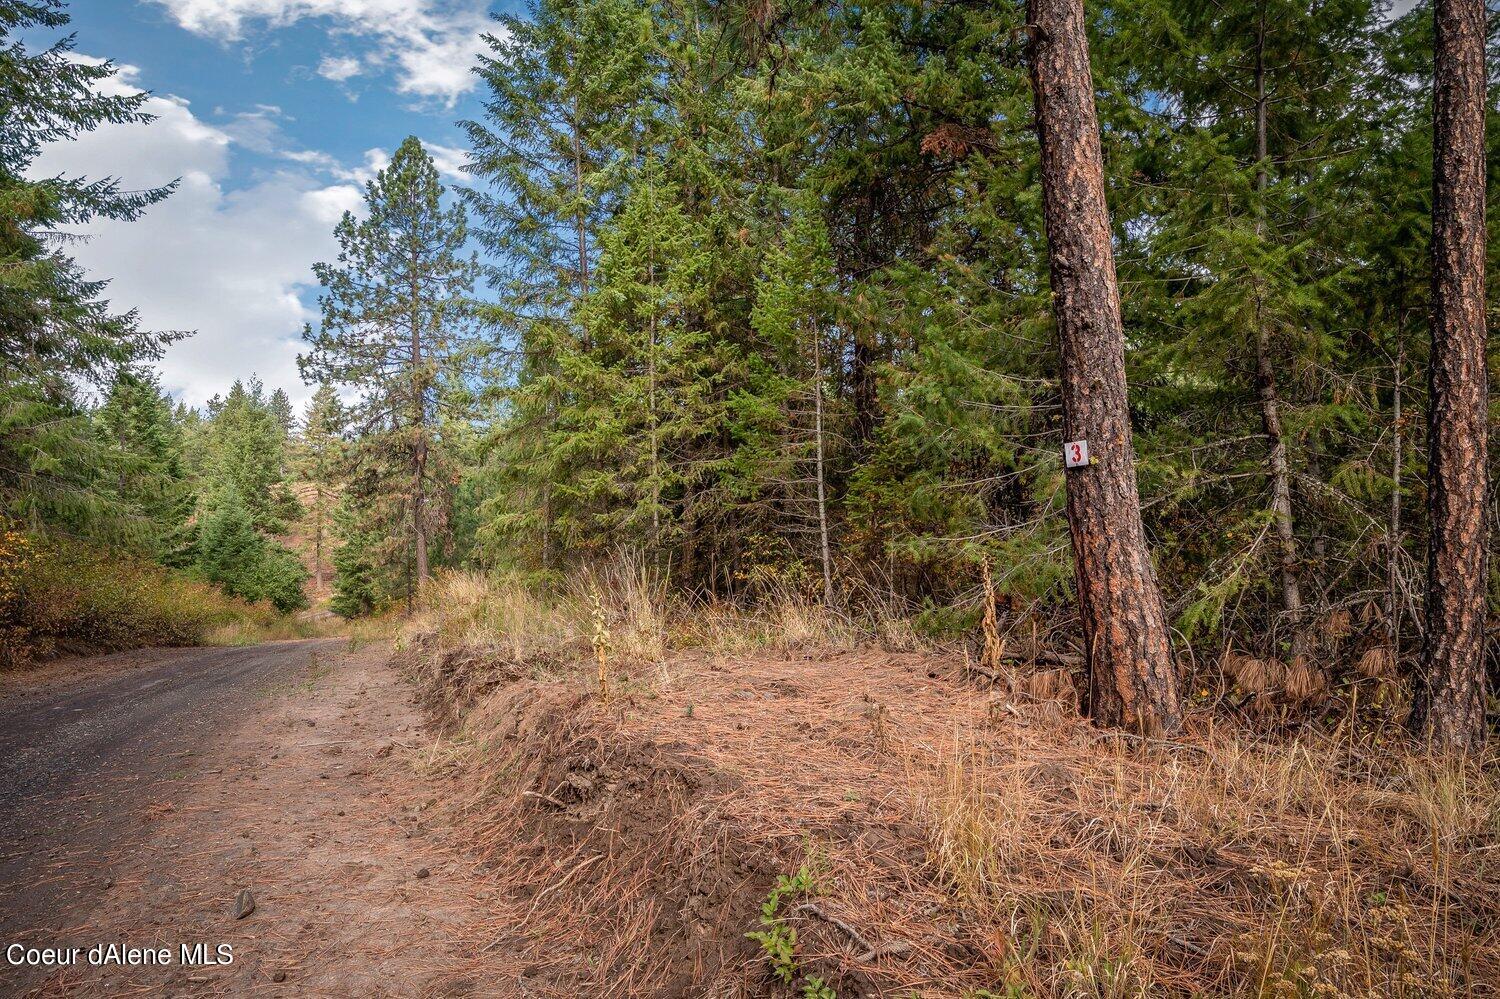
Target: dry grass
(1229, 866)
(992, 843)
(644, 627)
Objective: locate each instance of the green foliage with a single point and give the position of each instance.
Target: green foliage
(57, 335)
(779, 940)
(357, 589)
(398, 327)
(699, 248)
(245, 449)
(233, 554)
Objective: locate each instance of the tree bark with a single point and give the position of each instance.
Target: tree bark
(1265, 386)
(419, 429)
(817, 337)
(1132, 680)
(1448, 709)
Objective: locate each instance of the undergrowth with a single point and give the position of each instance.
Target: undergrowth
(59, 596)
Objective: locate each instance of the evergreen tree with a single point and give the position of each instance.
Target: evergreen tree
(144, 442)
(397, 326)
(1449, 705)
(280, 405)
(321, 454)
(1132, 679)
(245, 448)
(233, 554)
(57, 334)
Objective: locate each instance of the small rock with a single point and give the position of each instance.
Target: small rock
(422, 872)
(279, 976)
(244, 904)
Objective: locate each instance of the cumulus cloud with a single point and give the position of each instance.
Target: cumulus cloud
(234, 265)
(430, 44)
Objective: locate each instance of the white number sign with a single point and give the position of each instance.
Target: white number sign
(1076, 454)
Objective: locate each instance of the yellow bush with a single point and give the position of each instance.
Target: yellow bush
(65, 596)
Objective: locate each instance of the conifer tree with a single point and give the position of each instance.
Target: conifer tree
(57, 333)
(1133, 680)
(320, 458)
(136, 425)
(397, 327)
(1449, 705)
(244, 447)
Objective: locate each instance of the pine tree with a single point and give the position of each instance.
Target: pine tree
(233, 554)
(1133, 680)
(244, 447)
(320, 459)
(565, 90)
(396, 326)
(144, 443)
(1449, 706)
(790, 305)
(280, 405)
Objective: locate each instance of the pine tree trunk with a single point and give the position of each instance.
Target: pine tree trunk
(822, 479)
(1132, 679)
(1265, 384)
(419, 429)
(1448, 709)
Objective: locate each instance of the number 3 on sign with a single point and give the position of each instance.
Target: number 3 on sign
(1076, 454)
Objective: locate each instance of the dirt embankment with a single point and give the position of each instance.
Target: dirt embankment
(886, 827)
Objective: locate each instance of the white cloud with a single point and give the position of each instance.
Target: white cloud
(434, 42)
(449, 161)
(339, 68)
(232, 265)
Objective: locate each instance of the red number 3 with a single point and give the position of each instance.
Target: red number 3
(1077, 454)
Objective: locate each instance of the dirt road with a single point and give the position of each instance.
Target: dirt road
(139, 795)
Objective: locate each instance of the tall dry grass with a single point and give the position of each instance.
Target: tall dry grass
(60, 597)
(644, 623)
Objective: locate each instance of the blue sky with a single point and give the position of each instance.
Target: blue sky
(272, 113)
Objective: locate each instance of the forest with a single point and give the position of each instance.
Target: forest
(759, 293)
(925, 498)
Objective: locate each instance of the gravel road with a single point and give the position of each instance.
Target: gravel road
(87, 747)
